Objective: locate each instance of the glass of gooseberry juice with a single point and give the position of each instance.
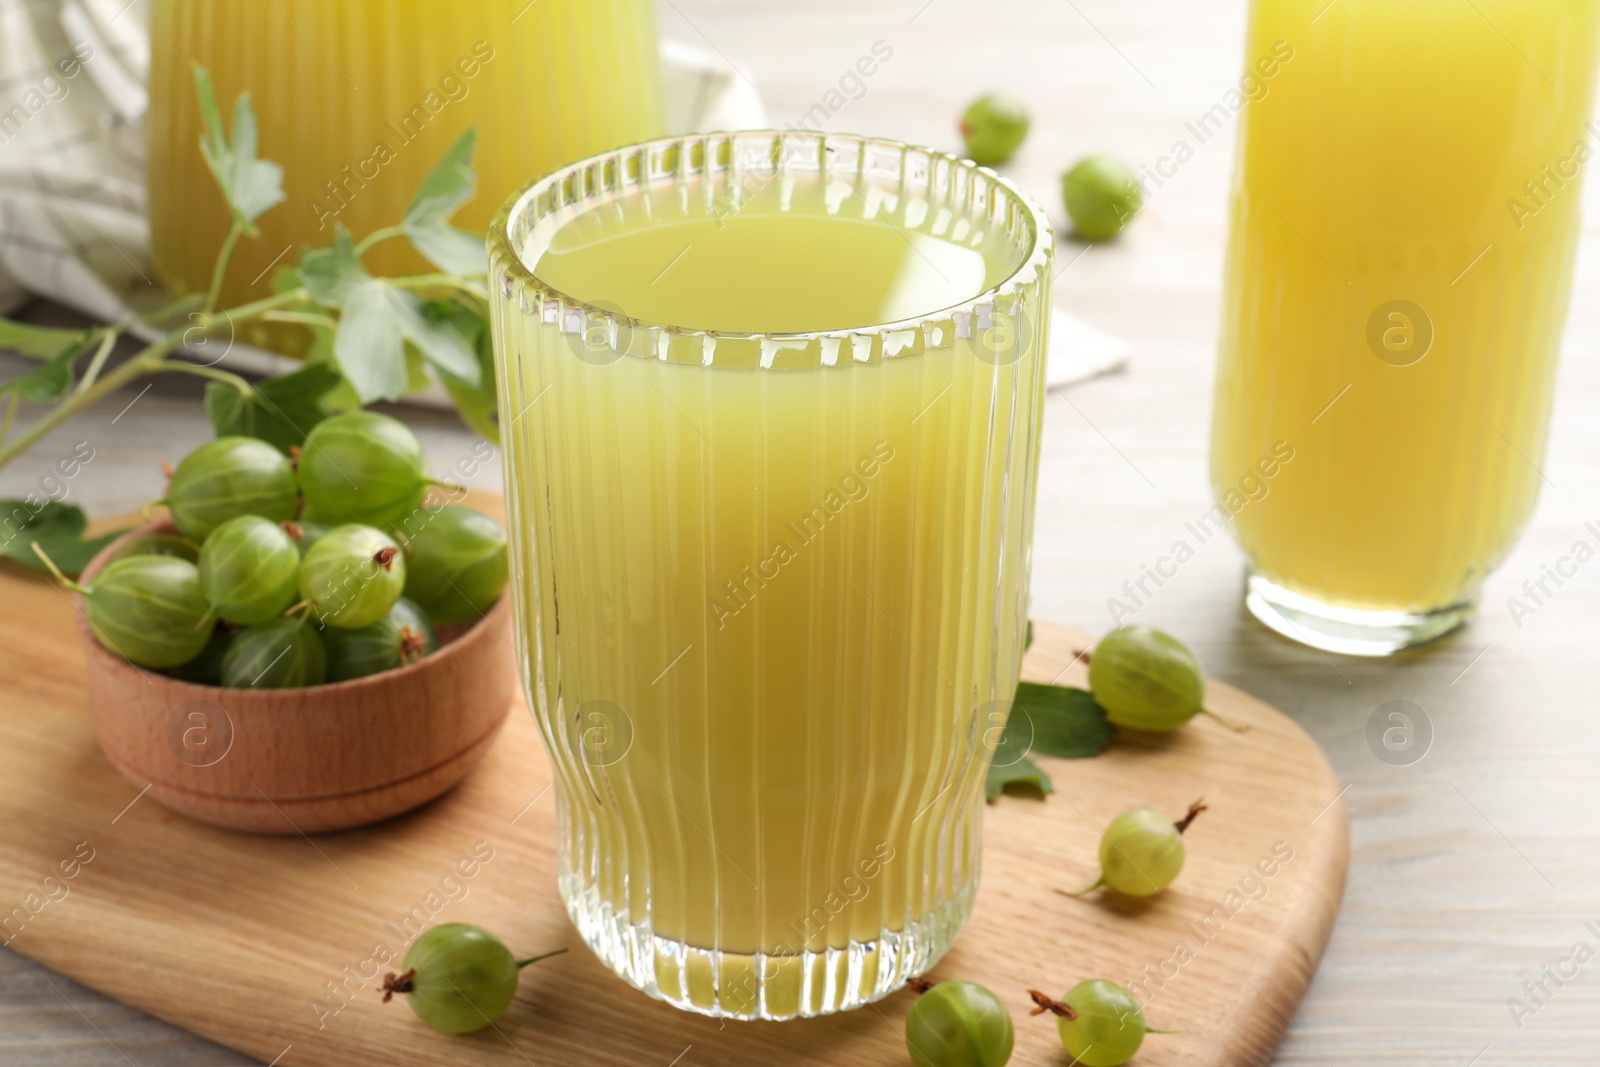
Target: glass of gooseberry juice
(1405, 214)
(359, 99)
(772, 407)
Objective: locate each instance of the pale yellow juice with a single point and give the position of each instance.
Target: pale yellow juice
(771, 588)
(359, 99)
(1404, 219)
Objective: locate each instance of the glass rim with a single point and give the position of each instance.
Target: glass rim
(586, 180)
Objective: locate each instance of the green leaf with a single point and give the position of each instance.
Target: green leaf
(251, 186)
(52, 380)
(440, 342)
(448, 188)
(330, 275)
(479, 405)
(377, 321)
(1046, 720)
(342, 397)
(369, 347)
(280, 411)
(285, 280)
(1019, 774)
(41, 342)
(1057, 720)
(57, 527)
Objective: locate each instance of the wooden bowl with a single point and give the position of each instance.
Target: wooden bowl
(327, 757)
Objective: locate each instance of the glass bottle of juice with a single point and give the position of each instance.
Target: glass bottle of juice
(1404, 218)
(359, 99)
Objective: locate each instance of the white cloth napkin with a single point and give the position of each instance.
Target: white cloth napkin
(72, 204)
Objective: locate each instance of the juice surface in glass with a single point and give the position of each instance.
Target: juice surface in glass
(1405, 214)
(359, 99)
(772, 441)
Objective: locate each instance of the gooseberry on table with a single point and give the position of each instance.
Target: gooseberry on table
(228, 477)
(1101, 196)
(458, 978)
(456, 564)
(362, 467)
(993, 128)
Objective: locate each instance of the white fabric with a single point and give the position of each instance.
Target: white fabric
(72, 205)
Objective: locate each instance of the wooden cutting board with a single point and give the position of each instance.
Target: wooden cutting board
(258, 942)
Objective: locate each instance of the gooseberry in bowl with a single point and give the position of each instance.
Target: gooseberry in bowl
(249, 570)
(352, 576)
(277, 754)
(455, 564)
(362, 467)
(228, 477)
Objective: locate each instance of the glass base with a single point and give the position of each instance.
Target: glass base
(1350, 631)
(738, 986)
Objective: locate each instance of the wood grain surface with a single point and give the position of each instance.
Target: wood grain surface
(265, 944)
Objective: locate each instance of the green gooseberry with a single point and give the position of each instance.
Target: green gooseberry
(227, 477)
(1099, 1022)
(1102, 196)
(249, 570)
(206, 668)
(362, 467)
(959, 1024)
(398, 639)
(1141, 851)
(281, 654)
(352, 576)
(158, 545)
(456, 564)
(147, 609)
(1146, 679)
(993, 128)
(458, 978)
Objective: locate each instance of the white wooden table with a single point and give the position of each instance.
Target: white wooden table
(1473, 868)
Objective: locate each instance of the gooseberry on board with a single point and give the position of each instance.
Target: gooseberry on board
(1142, 852)
(1146, 679)
(458, 978)
(1099, 1022)
(958, 1024)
